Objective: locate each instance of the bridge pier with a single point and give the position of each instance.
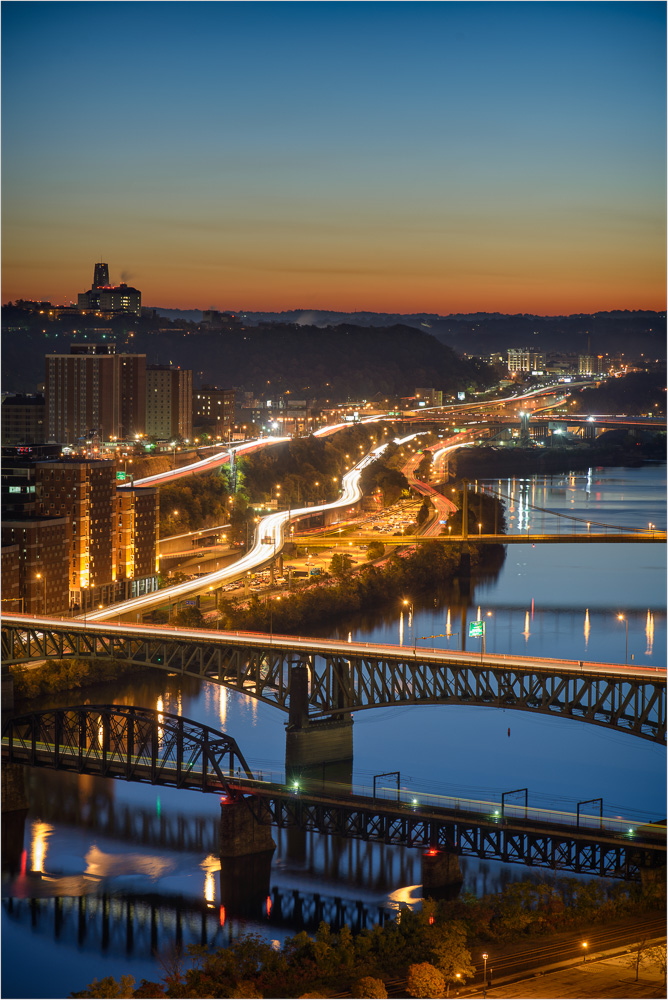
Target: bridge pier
(320, 750)
(240, 833)
(245, 884)
(441, 874)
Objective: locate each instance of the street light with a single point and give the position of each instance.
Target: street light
(41, 576)
(410, 605)
(626, 646)
(484, 974)
(584, 945)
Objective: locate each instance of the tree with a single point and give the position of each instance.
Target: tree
(423, 513)
(425, 980)
(451, 956)
(637, 951)
(340, 565)
(109, 988)
(375, 550)
(368, 987)
(189, 617)
(656, 956)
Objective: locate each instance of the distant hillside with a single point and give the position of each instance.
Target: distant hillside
(343, 362)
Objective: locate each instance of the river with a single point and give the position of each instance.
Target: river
(106, 901)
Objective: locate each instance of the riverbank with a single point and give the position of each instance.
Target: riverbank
(501, 462)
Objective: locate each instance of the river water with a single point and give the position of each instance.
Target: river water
(111, 899)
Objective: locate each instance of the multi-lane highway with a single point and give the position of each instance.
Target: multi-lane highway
(269, 540)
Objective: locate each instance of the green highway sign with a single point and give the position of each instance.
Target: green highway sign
(120, 476)
(476, 630)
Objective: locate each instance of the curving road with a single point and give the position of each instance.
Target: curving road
(269, 540)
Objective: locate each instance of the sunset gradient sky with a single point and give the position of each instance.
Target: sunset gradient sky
(408, 157)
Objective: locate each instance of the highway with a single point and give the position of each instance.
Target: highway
(268, 542)
(206, 464)
(330, 647)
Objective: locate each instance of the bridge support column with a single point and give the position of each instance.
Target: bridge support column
(245, 885)
(441, 874)
(320, 752)
(240, 833)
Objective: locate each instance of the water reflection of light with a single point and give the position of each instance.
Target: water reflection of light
(160, 707)
(40, 835)
(448, 628)
(210, 865)
(401, 628)
(478, 619)
(100, 731)
(649, 632)
(222, 704)
(526, 632)
(586, 628)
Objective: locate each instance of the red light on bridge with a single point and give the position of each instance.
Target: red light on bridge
(431, 852)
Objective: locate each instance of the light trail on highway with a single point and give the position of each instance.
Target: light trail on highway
(207, 464)
(269, 540)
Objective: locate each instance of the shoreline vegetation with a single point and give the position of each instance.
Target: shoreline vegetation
(434, 944)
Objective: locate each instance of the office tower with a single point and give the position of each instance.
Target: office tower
(100, 275)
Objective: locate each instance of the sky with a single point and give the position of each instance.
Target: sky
(390, 157)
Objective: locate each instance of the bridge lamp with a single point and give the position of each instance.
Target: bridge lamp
(295, 786)
(630, 831)
(622, 618)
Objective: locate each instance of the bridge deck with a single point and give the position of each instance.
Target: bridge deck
(527, 538)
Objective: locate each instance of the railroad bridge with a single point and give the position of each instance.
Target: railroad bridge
(144, 745)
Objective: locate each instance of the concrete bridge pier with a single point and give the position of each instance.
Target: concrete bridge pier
(317, 751)
(441, 875)
(245, 884)
(240, 833)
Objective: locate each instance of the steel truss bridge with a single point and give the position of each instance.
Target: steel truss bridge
(535, 843)
(526, 538)
(144, 745)
(121, 741)
(337, 677)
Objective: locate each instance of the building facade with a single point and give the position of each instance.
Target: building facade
(92, 391)
(169, 402)
(106, 298)
(524, 360)
(214, 407)
(23, 419)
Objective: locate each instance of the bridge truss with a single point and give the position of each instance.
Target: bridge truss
(515, 841)
(121, 741)
(349, 677)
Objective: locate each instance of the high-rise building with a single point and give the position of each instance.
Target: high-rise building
(169, 402)
(101, 275)
(94, 391)
(37, 550)
(106, 298)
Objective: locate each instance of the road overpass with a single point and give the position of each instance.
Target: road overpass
(312, 679)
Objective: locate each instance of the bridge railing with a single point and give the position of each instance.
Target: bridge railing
(492, 811)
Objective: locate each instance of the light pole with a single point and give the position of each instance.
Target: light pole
(622, 618)
(584, 958)
(42, 577)
(484, 973)
(410, 605)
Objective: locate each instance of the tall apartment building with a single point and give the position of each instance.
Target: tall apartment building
(136, 541)
(23, 419)
(93, 390)
(169, 402)
(86, 491)
(214, 406)
(524, 360)
(35, 554)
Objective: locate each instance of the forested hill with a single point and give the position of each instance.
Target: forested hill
(338, 363)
